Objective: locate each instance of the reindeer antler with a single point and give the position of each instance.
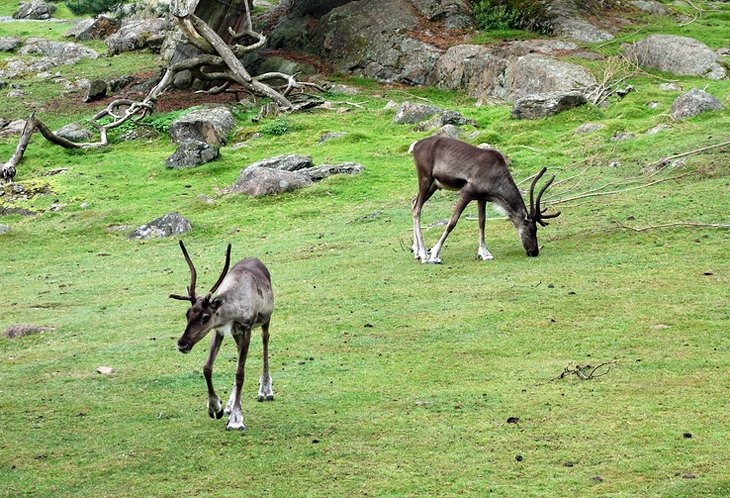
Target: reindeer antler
(193, 277)
(536, 213)
(224, 272)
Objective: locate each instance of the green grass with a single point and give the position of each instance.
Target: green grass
(391, 377)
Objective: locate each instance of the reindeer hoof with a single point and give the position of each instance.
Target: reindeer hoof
(260, 398)
(433, 261)
(235, 427)
(219, 415)
(269, 397)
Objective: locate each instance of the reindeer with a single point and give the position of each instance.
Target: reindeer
(239, 301)
(478, 174)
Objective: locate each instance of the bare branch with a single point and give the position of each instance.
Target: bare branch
(585, 372)
(672, 225)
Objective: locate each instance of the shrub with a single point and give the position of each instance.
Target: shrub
(93, 7)
(279, 126)
(531, 15)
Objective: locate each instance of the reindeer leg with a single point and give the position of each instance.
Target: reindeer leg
(265, 391)
(229, 405)
(483, 252)
(235, 421)
(458, 209)
(214, 402)
(426, 188)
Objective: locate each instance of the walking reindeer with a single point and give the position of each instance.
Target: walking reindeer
(240, 300)
(478, 174)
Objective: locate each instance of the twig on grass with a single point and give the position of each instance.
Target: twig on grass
(672, 225)
(585, 372)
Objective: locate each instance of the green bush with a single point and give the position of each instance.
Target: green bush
(92, 7)
(279, 126)
(531, 15)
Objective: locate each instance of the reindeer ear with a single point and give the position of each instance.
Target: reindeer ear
(216, 303)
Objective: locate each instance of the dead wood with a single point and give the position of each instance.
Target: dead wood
(585, 372)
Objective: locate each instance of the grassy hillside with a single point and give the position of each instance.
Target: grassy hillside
(391, 377)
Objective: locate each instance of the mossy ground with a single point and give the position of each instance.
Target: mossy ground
(391, 377)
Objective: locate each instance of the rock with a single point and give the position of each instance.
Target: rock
(60, 52)
(392, 105)
(12, 128)
(137, 34)
(257, 181)
(693, 103)
(658, 128)
(286, 162)
(475, 70)
(539, 74)
(119, 83)
(450, 131)
(410, 113)
(164, 226)
(674, 87)
(210, 124)
(105, 370)
(9, 43)
(622, 135)
(580, 30)
(76, 132)
(25, 329)
(140, 133)
(650, 6)
(96, 91)
(587, 128)
(329, 136)
(21, 67)
(677, 55)
(97, 28)
(4, 229)
(539, 106)
(444, 118)
(323, 171)
(34, 9)
(653, 105)
(192, 153)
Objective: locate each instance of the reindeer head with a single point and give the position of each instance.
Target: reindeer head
(203, 309)
(528, 230)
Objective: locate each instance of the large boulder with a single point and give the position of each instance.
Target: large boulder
(96, 28)
(257, 181)
(323, 171)
(677, 55)
(650, 6)
(138, 34)
(286, 162)
(210, 124)
(9, 43)
(59, 52)
(473, 69)
(580, 30)
(76, 132)
(192, 153)
(34, 9)
(539, 74)
(164, 226)
(693, 103)
(540, 106)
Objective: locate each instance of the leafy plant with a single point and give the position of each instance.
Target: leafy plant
(531, 15)
(279, 126)
(93, 7)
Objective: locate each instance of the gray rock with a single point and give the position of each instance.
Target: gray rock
(140, 133)
(209, 124)
(34, 9)
(658, 128)
(651, 6)
(96, 91)
(9, 43)
(76, 132)
(329, 136)
(164, 226)
(257, 181)
(444, 118)
(677, 55)
(653, 105)
(4, 229)
(539, 74)
(26, 329)
(60, 52)
(587, 128)
(539, 106)
(410, 113)
(285, 162)
(137, 34)
(12, 128)
(118, 83)
(15, 67)
(620, 136)
(580, 30)
(473, 69)
(322, 171)
(450, 131)
(693, 103)
(192, 153)
(96, 28)
(673, 87)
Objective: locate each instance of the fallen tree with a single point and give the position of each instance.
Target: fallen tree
(217, 62)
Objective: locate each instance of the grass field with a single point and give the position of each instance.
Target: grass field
(392, 378)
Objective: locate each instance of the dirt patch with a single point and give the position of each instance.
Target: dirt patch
(25, 329)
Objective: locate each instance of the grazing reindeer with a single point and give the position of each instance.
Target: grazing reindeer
(239, 301)
(478, 174)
